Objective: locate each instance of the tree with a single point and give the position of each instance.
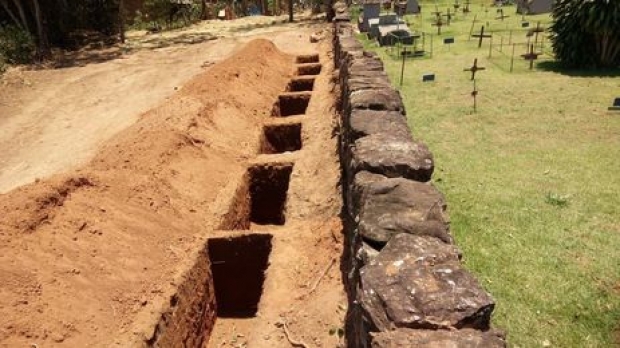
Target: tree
(586, 33)
(29, 11)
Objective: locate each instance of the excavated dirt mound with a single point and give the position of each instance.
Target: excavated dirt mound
(88, 257)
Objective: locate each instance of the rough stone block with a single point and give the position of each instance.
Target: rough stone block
(368, 122)
(466, 338)
(393, 206)
(418, 282)
(387, 99)
(392, 156)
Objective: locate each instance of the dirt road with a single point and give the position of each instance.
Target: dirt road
(53, 120)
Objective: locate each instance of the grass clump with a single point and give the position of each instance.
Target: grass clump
(540, 140)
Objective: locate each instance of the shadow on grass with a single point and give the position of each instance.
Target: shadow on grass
(556, 67)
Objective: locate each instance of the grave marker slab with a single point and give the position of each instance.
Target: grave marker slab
(428, 77)
(615, 106)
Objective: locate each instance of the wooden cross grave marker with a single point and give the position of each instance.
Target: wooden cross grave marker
(473, 23)
(535, 31)
(438, 23)
(448, 17)
(501, 16)
(456, 6)
(531, 56)
(474, 94)
(466, 8)
(481, 36)
(437, 13)
(474, 68)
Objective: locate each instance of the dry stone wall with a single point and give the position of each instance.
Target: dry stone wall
(404, 278)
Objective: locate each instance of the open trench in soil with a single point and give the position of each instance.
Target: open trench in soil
(257, 252)
(213, 222)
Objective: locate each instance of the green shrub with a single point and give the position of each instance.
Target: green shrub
(16, 46)
(584, 34)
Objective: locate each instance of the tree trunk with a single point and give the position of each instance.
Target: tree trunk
(11, 14)
(22, 15)
(290, 11)
(43, 44)
(121, 20)
(203, 10)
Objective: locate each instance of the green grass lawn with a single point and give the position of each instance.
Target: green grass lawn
(532, 179)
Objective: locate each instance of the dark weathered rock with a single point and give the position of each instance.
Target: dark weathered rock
(366, 253)
(418, 282)
(392, 156)
(466, 338)
(365, 83)
(356, 189)
(367, 74)
(387, 99)
(393, 206)
(365, 64)
(345, 44)
(368, 122)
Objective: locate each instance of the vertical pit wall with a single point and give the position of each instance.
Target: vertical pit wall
(405, 283)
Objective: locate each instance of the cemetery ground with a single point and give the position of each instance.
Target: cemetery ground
(532, 178)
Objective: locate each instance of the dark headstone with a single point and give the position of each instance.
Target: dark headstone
(393, 206)
(418, 282)
(428, 77)
(466, 338)
(525, 24)
(448, 40)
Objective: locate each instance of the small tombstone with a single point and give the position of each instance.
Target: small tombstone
(456, 6)
(615, 106)
(428, 77)
(448, 41)
(525, 24)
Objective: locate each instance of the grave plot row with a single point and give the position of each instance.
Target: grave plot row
(405, 281)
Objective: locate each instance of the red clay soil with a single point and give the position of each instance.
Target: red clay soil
(83, 256)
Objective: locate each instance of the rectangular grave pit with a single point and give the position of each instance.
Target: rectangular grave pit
(268, 191)
(281, 138)
(301, 84)
(309, 69)
(307, 58)
(238, 266)
(293, 103)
